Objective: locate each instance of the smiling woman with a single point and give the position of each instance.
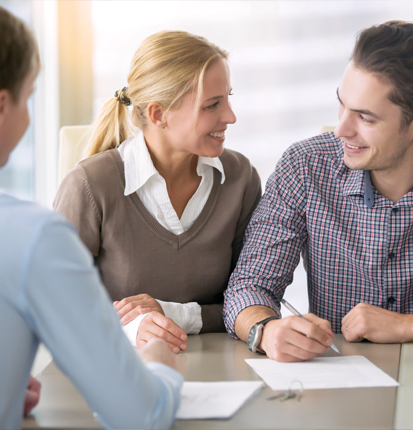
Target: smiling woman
(161, 204)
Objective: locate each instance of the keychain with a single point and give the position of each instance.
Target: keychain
(289, 394)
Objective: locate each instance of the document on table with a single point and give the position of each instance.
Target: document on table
(203, 400)
(322, 372)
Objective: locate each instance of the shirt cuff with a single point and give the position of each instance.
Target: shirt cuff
(131, 329)
(186, 315)
(235, 303)
(162, 370)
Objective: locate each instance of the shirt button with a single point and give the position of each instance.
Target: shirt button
(395, 210)
(391, 300)
(391, 255)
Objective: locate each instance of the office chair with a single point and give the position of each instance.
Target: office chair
(327, 128)
(72, 141)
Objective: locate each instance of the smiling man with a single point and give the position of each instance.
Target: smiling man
(345, 200)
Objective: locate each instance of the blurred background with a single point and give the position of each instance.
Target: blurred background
(286, 60)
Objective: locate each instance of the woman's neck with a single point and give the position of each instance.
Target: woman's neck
(178, 168)
(173, 166)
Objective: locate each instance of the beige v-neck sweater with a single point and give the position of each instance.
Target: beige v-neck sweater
(135, 254)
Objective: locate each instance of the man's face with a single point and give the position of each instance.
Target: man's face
(14, 118)
(370, 124)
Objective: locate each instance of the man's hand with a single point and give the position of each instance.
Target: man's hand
(32, 396)
(286, 339)
(378, 325)
(157, 350)
(295, 339)
(131, 307)
(156, 325)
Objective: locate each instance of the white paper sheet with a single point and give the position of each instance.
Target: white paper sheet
(322, 372)
(203, 400)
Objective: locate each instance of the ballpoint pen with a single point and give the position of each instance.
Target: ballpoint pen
(293, 310)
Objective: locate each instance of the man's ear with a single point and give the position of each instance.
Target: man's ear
(5, 100)
(155, 113)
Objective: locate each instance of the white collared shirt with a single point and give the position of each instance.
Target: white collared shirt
(142, 177)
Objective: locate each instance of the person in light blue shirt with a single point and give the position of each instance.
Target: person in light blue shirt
(50, 291)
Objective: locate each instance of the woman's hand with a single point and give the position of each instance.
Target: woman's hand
(131, 307)
(156, 325)
(32, 396)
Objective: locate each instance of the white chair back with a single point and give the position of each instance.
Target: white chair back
(327, 128)
(72, 141)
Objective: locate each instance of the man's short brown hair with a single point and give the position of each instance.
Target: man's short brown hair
(19, 55)
(386, 50)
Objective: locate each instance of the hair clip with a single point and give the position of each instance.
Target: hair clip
(123, 98)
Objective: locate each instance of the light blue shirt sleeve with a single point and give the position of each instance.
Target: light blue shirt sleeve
(70, 311)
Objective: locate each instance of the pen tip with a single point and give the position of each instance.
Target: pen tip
(334, 348)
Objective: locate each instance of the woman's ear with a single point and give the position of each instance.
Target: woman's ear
(155, 113)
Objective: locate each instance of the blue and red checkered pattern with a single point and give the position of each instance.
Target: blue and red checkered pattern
(354, 250)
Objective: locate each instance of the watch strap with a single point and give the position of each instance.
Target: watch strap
(266, 320)
(259, 326)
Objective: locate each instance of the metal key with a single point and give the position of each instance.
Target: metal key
(277, 396)
(289, 395)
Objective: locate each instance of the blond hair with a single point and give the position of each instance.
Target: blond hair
(167, 66)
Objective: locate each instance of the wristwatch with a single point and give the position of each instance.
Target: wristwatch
(255, 334)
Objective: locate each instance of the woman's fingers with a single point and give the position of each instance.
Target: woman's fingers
(158, 326)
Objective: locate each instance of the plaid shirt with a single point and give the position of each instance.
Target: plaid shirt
(357, 245)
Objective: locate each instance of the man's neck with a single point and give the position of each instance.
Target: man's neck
(393, 184)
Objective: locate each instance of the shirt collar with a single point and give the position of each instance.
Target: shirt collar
(213, 162)
(359, 183)
(138, 163)
(368, 190)
(139, 167)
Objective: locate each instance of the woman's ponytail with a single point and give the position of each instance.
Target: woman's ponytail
(112, 126)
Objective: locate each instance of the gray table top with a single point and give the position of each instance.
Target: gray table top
(217, 357)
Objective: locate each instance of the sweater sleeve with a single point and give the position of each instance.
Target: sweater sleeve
(212, 320)
(75, 200)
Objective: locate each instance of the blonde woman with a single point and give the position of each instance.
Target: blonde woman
(159, 202)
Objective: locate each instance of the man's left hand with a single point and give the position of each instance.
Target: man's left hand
(377, 325)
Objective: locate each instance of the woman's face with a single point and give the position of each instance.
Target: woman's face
(205, 137)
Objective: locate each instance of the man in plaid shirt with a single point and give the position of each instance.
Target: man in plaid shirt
(345, 200)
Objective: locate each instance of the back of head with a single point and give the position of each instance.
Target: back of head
(386, 50)
(19, 55)
(167, 66)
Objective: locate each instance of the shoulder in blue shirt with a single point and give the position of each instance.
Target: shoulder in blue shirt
(50, 291)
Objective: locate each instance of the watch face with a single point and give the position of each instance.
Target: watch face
(252, 338)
